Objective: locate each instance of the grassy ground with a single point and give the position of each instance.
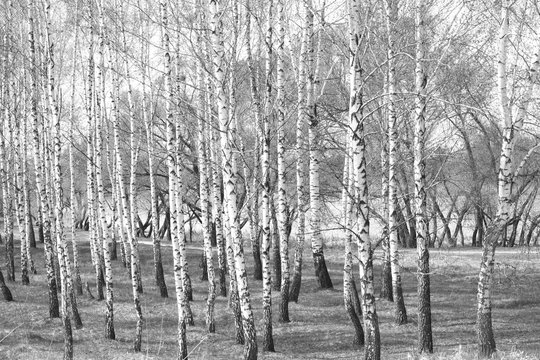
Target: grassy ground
(319, 329)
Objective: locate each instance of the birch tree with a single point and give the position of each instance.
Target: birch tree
(171, 157)
(512, 119)
(54, 310)
(229, 178)
(357, 120)
(61, 248)
(282, 195)
(350, 294)
(98, 120)
(321, 271)
(149, 128)
(268, 341)
(425, 341)
(400, 316)
(301, 193)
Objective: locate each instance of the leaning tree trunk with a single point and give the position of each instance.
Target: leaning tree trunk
(372, 349)
(505, 180)
(229, 179)
(39, 164)
(348, 278)
(61, 248)
(134, 269)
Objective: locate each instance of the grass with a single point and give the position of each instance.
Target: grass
(319, 329)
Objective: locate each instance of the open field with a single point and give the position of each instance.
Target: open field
(319, 329)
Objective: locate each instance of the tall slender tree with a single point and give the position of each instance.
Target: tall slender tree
(511, 125)
(400, 316)
(54, 310)
(230, 178)
(282, 195)
(171, 163)
(321, 271)
(425, 341)
(357, 120)
(61, 248)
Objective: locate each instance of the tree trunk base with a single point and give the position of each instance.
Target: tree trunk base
(160, 280)
(222, 283)
(372, 338)
(386, 282)
(295, 285)
(268, 338)
(284, 305)
(321, 271)
(486, 339)
(257, 264)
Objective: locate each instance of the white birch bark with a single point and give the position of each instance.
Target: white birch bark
(425, 341)
(21, 195)
(171, 157)
(400, 316)
(99, 117)
(149, 127)
(511, 127)
(372, 345)
(61, 248)
(39, 164)
(229, 179)
(204, 189)
(268, 341)
(282, 194)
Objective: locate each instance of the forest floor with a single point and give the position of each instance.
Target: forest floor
(319, 329)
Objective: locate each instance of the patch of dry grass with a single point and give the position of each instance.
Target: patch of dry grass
(319, 329)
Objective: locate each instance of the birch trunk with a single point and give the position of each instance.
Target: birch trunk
(400, 315)
(180, 296)
(386, 273)
(61, 248)
(321, 271)
(134, 269)
(229, 179)
(8, 129)
(22, 205)
(348, 277)
(133, 211)
(268, 341)
(156, 239)
(282, 195)
(425, 340)
(372, 340)
(39, 164)
(99, 117)
(253, 209)
(186, 279)
(300, 169)
(505, 180)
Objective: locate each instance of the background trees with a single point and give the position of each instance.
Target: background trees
(394, 114)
